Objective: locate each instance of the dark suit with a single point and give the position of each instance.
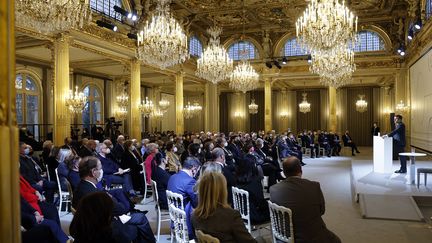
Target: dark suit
(130, 160)
(84, 152)
(375, 131)
(224, 224)
(161, 177)
(349, 143)
(306, 201)
(259, 212)
(183, 184)
(399, 143)
(270, 167)
(137, 228)
(118, 151)
(230, 179)
(235, 150)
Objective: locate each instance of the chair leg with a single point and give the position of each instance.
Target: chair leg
(158, 224)
(418, 180)
(60, 202)
(425, 179)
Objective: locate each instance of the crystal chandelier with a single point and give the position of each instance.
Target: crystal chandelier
(401, 107)
(76, 101)
(244, 77)
(361, 104)
(123, 98)
(146, 107)
(214, 64)
(162, 42)
(188, 111)
(156, 114)
(196, 107)
(121, 113)
(326, 24)
(163, 105)
(253, 108)
(52, 16)
(284, 115)
(304, 106)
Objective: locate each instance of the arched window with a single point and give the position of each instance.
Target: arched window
(93, 108)
(428, 9)
(242, 49)
(106, 7)
(292, 48)
(369, 41)
(28, 103)
(195, 47)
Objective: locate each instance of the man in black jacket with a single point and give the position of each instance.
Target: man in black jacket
(137, 227)
(399, 142)
(218, 156)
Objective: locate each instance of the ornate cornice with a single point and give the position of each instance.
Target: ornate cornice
(107, 35)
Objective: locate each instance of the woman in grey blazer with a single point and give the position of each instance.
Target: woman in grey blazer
(213, 214)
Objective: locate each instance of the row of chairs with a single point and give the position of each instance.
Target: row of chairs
(281, 217)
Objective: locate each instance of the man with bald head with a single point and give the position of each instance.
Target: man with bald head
(306, 200)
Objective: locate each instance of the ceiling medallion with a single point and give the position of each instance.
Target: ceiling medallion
(214, 65)
(361, 104)
(52, 16)
(162, 42)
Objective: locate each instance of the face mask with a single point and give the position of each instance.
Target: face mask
(100, 175)
(132, 148)
(225, 144)
(111, 146)
(201, 145)
(175, 149)
(26, 151)
(199, 151)
(107, 151)
(171, 139)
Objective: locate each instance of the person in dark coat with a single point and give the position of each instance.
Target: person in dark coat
(161, 177)
(375, 130)
(306, 201)
(348, 142)
(131, 161)
(218, 156)
(399, 142)
(88, 150)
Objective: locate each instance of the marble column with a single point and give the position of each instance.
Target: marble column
(62, 115)
(211, 115)
(267, 105)
(179, 102)
(332, 116)
(134, 116)
(9, 191)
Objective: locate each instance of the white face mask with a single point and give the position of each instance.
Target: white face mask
(201, 145)
(175, 149)
(26, 151)
(107, 151)
(100, 175)
(199, 151)
(225, 144)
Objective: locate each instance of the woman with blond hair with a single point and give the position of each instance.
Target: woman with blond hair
(213, 214)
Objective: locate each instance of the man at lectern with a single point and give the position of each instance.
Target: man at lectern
(398, 135)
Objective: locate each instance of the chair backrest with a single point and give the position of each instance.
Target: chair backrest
(175, 199)
(178, 217)
(205, 238)
(281, 223)
(58, 181)
(47, 171)
(155, 192)
(241, 204)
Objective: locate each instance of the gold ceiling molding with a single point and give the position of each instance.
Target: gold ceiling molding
(123, 61)
(108, 35)
(33, 33)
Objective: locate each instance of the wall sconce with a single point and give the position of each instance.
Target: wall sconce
(238, 114)
(284, 115)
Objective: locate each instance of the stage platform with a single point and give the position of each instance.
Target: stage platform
(387, 195)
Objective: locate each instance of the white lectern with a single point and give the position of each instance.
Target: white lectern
(383, 154)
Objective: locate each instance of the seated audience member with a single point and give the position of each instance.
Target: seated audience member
(32, 175)
(46, 150)
(68, 170)
(88, 149)
(152, 150)
(111, 155)
(184, 181)
(173, 161)
(269, 166)
(347, 140)
(161, 177)
(119, 149)
(324, 143)
(194, 150)
(94, 222)
(218, 155)
(68, 145)
(143, 150)
(52, 161)
(229, 158)
(334, 141)
(179, 145)
(310, 143)
(249, 180)
(130, 160)
(137, 228)
(32, 220)
(112, 173)
(208, 147)
(234, 146)
(214, 215)
(306, 200)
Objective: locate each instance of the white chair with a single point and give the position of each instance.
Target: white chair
(48, 174)
(65, 197)
(175, 199)
(159, 214)
(321, 151)
(241, 204)
(178, 217)
(281, 219)
(147, 188)
(205, 238)
(307, 152)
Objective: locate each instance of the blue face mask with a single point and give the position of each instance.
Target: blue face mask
(26, 151)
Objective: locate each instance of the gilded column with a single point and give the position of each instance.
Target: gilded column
(332, 116)
(267, 105)
(134, 117)
(61, 89)
(211, 115)
(179, 103)
(9, 191)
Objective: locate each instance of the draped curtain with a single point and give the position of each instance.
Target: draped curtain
(360, 124)
(312, 119)
(223, 112)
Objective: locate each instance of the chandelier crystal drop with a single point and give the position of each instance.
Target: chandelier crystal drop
(52, 16)
(121, 113)
(76, 101)
(214, 65)
(253, 108)
(244, 77)
(361, 104)
(146, 107)
(122, 99)
(162, 42)
(326, 24)
(304, 106)
(163, 105)
(188, 111)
